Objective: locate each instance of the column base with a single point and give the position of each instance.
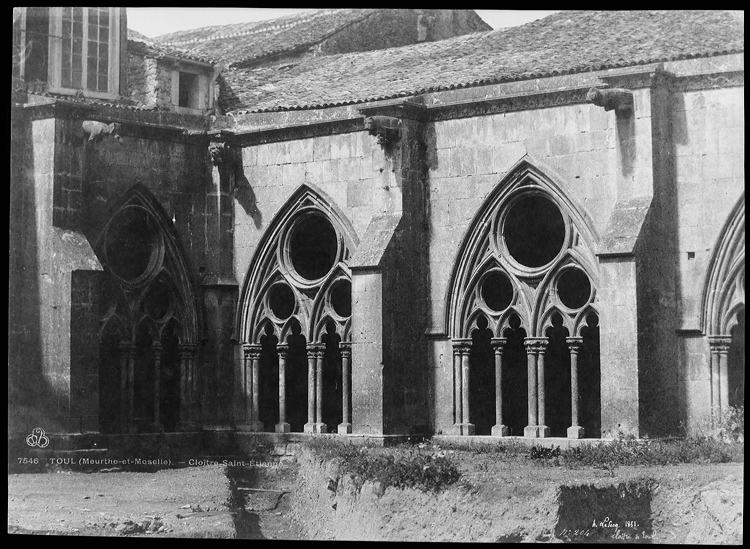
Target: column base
(188, 426)
(320, 428)
(575, 432)
(536, 431)
(500, 431)
(282, 428)
(464, 429)
(309, 428)
(251, 426)
(345, 428)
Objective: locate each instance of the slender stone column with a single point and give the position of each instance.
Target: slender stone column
(157, 350)
(575, 430)
(719, 346)
(310, 425)
(282, 426)
(250, 388)
(530, 431)
(127, 374)
(465, 427)
(499, 429)
(187, 396)
(541, 349)
(457, 417)
(345, 427)
(320, 427)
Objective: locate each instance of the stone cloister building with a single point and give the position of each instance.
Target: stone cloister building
(535, 231)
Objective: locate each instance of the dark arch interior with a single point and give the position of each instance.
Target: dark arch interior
(557, 380)
(341, 298)
(332, 408)
(268, 380)
(737, 363)
(296, 380)
(482, 379)
(110, 379)
(573, 288)
(313, 247)
(158, 300)
(515, 379)
(589, 379)
(130, 243)
(497, 291)
(281, 301)
(534, 231)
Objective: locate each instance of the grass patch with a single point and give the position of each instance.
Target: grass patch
(641, 452)
(420, 466)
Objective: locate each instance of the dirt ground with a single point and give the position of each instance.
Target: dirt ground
(511, 500)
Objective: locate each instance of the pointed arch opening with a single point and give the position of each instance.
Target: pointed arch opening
(299, 278)
(529, 253)
(149, 290)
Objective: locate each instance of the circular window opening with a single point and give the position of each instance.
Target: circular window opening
(497, 291)
(131, 243)
(341, 298)
(313, 247)
(574, 288)
(158, 301)
(281, 301)
(534, 231)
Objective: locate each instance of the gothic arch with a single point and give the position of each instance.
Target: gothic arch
(479, 243)
(167, 263)
(529, 252)
(724, 288)
(272, 263)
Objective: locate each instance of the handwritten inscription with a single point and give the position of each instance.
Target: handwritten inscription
(609, 529)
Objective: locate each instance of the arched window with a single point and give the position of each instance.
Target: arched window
(149, 322)
(522, 310)
(724, 315)
(295, 319)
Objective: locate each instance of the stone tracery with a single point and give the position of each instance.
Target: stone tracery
(498, 280)
(303, 256)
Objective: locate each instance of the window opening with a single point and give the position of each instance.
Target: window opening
(281, 301)
(35, 49)
(268, 378)
(296, 380)
(313, 247)
(515, 378)
(130, 243)
(497, 291)
(332, 388)
(589, 379)
(573, 288)
(188, 83)
(557, 379)
(482, 379)
(534, 231)
(341, 298)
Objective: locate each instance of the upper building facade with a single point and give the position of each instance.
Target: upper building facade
(394, 222)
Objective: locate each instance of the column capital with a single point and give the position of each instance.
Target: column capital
(127, 348)
(461, 345)
(282, 348)
(498, 344)
(720, 343)
(251, 350)
(345, 348)
(574, 343)
(535, 344)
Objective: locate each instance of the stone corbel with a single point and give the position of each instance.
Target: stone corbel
(386, 128)
(96, 131)
(219, 152)
(618, 99)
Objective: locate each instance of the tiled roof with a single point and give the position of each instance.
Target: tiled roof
(242, 42)
(144, 45)
(565, 42)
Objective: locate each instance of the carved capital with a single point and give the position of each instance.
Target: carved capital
(282, 349)
(252, 351)
(720, 344)
(535, 344)
(498, 344)
(574, 344)
(619, 99)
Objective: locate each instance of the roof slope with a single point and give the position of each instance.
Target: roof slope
(570, 41)
(246, 41)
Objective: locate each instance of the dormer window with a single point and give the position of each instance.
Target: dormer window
(74, 49)
(189, 90)
(191, 86)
